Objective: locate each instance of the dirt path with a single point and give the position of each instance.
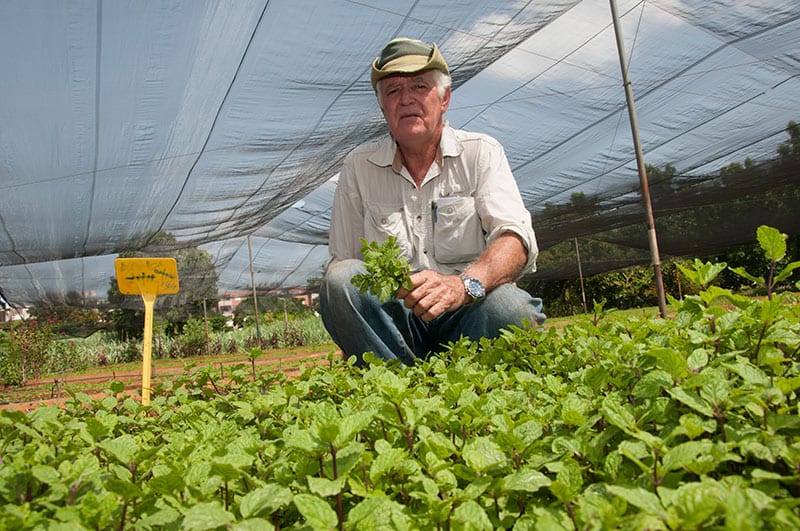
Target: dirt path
(55, 390)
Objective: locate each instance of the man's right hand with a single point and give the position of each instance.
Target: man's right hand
(434, 294)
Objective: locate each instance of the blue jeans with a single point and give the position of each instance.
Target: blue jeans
(360, 323)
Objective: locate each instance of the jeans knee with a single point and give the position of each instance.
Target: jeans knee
(513, 305)
(340, 273)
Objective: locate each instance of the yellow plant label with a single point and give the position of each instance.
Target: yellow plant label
(154, 276)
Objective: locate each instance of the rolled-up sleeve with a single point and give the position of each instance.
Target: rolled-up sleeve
(347, 217)
(499, 202)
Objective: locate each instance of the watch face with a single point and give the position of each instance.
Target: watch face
(475, 288)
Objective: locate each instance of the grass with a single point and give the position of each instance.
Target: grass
(608, 314)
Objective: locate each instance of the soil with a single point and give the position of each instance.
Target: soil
(54, 390)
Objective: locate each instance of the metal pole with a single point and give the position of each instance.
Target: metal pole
(253, 284)
(580, 275)
(205, 319)
(645, 188)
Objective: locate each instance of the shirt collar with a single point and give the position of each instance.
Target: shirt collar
(387, 153)
(449, 146)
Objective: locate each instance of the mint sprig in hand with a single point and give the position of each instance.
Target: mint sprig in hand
(386, 270)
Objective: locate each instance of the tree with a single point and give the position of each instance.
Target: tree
(196, 276)
(72, 321)
(791, 150)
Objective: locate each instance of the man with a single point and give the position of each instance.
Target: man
(450, 200)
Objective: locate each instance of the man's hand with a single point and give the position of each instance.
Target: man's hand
(433, 294)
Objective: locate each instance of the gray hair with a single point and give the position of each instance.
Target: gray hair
(443, 82)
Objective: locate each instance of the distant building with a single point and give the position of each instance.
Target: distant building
(7, 313)
(302, 294)
(229, 301)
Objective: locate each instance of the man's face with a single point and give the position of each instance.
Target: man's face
(412, 107)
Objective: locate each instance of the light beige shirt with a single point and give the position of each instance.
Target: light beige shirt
(468, 198)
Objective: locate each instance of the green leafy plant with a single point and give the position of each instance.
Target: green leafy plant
(773, 244)
(254, 353)
(192, 341)
(25, 355)
(702, 273)
(607, 423)
(614, 422)
(386, 269)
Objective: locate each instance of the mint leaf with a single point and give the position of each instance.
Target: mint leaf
(483, 454)
(639, 497)
(772, 241)
(316, 511)
(386, 270)
(209, 515)
(527, 480)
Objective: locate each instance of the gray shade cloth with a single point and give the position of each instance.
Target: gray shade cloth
(215, 121)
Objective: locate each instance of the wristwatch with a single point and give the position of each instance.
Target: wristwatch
(473, 287)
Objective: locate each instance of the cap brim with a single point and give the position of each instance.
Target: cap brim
(408, 64)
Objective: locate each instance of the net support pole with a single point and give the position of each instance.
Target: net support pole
(645, 188)
(580, 275)
(253, 285)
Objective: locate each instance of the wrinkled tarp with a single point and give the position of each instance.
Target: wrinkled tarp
(218, 121)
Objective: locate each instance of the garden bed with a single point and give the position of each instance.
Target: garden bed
(55, 389)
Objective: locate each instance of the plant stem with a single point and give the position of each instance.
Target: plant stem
(339, 508)
(720, 416)
(760, 339)
(769, 280)
(409, 436)
(571, 514)
(656, 480)
(124, 515)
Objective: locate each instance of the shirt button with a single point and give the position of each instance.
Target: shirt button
(384, 221)
(424, 251)
(419, 218)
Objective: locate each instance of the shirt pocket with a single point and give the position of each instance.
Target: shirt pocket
(382, 221)
(458, 235)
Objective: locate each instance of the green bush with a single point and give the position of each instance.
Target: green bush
(67, 355)
(10, 369)
(634, 287)
(217, 322)
(192, 341)
(631, 423)
(70, 321)
(25, 356)
(636, 422)
(271, 309)
(131, 351)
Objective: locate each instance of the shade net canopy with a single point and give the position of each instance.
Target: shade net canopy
(224, 124)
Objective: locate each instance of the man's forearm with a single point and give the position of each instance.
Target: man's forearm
(501, 262)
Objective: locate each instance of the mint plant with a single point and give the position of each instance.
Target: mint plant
(702, 273)
(607, 423)
(386, 269)
(773, 243)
